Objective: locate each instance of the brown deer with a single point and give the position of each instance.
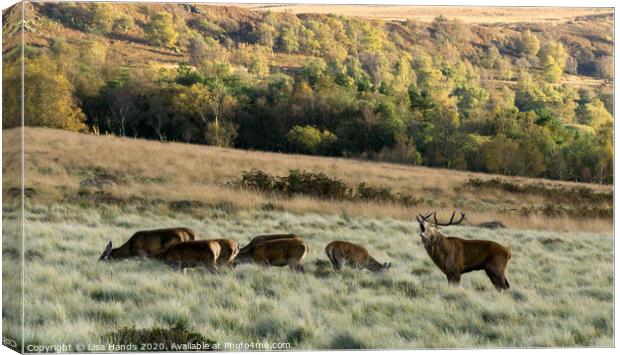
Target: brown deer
(147, 243)
(342, 253)
(193, 253)
(264, 238)
(277, 252)
(456, 256)
(229, 250)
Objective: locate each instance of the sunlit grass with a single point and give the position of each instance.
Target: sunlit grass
(561, 286)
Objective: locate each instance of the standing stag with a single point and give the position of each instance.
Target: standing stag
(147, 243)
(456, 256)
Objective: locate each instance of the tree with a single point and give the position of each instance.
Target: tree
(504, 69)
(48, 98)
(264, 34)
(310, 140)
(102, 17)
(491, 57)
(528, 43)
(314, 70)
(198, 50)
(556, 51)
(471, 99)
(445, 146)
(288, 40)
(221, 134)
(552, 71)
(595, 115)
(500, 155)
(259, 64)
(448, 31)
(212, 105)
(404, 151)
(530, 159)
(161, 30)
(122, 24)
(429, 78)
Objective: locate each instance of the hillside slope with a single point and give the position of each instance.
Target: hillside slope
(83, 191)
(586, 32)
(467, 14)
(103, 172)
(518, 98)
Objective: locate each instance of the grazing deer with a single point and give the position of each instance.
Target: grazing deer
(229, 250)
(147, 243)
(277, 252)
(342, 253)
(193, 253)
(456, 256)
(264, 238)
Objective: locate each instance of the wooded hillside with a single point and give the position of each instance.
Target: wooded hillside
(531, 99)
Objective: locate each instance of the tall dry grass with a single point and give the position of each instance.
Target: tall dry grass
(154, 172)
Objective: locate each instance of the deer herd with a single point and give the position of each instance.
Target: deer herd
(179, 248)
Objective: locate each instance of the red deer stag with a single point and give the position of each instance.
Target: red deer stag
(342, 253)
(276, 252)
(147, 243)
(192, 254)
(456, 256)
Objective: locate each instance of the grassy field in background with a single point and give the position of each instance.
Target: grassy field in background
(174, 177)
(561, 271)
(466, 14)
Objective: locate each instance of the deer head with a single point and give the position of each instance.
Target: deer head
(106, 253)
(429, 232)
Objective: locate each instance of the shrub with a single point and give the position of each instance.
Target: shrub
(321, 186)
(528, 43)
(161, 30)
(372, 193)
(313, 184)
(310, 140)
(122, 24)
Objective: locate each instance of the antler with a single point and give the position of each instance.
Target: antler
(424, 217)
(451, 219)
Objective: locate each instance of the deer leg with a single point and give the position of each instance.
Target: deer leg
(334, 262)
(176, 266)
(496, 280)
(502, 274)
(454, 278)
(294, 265)
(212, 267)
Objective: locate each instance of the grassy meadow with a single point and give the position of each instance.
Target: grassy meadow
(561, 271)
